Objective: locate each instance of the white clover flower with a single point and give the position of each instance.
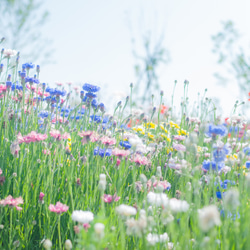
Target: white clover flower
(99, 229)
(68, 245)
(47, 244)
(126, 210)
(82, 216)
(157, 199)
(177, 206)
(231, 199)
(209, 217)
(155, 238)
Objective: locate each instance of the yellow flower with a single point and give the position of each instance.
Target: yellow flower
(199, 149)
(150, 136)
(151, 125)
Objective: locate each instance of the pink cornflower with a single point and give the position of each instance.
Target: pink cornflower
(31, 137)
(12, 202)
(120, 152)
(179, 147)
(107, 141)
(58, 208)
(165, 184)
(141, 160)
(1, 171)
(59, 83)
(3, 88)
(107, 198)
(56, 134)
(14, 148)
(9, 53)
(46, 152)
(88, 136)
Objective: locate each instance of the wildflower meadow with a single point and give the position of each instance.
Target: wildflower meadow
(78, 177)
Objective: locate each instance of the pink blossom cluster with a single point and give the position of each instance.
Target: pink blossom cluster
(165, 184)
(107, 141)
(120, 152)
(33, 136)
(179, 147)
(141, 160)
(58, 208)
(3, 88)
(57, 134)
(12, 202)
(88, 136)
(108, 198)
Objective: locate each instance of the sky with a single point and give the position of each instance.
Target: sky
(92, 43)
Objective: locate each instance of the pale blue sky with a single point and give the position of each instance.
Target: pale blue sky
(92, 42)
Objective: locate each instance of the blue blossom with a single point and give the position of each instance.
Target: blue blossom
(248, 164)
(90, 88)
(125, 144)
(246, 150)
(91, 95)
(94, 103)
(101, 106)
(96, 118)
(16, 86)
(8, 83)
(57, 92)
(28, 65)
(213, 130)
(212, 165)
(220, 153)
(102, 152)
(31, 80)
(223, 184)
(43, 114)
(82, 111)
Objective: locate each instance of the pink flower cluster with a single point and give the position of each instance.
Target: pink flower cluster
(58, 208)
(12, 202)
(165, 184)
(179, 147)
(107, 141)
(109, 198)
(141, 160)
(88, 136)
(3, 88)
(57, 135)
(31, 137)
(120, 152)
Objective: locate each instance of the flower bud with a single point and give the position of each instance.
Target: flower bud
(68, 245)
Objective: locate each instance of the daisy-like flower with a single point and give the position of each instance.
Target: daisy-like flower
(12, 202)
(141, 160)
(82, 216)
(58, 208)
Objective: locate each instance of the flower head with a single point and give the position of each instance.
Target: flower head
(90, 88)
(82, 216)
(58, 208)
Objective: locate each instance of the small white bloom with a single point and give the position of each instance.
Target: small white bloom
(209, 217)
(157, 199)
(155, 238)
(9, 52)
(68, 245)
(126, 210)
(99, 229)
(177, 206)
(231, 199)
(82, 216)
(47, 244)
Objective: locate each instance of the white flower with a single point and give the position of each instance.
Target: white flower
(82, 216)
(99, 229)
(209, 217)
(157, 199)
(9, 52)
(231, 199)
(177, 206)
(155, 238)
(47, 244)
(126, 210)
(68, 245)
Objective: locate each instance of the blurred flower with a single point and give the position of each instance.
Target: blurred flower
(58, 208)
(9, 53)
(156, 238)
(231, 199)
(90, 88)
(213, 130)
(82, 216)
(158, 199)
(209, 217)
(99, 230)
(126, 210)
(68, 245)
(47, 244)
(109, 198)
(12, 202)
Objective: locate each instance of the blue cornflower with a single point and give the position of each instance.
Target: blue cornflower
(43, 114)
(55, 91)
(82, 111)
(125, 144)
(219, 154)
(248, 164)
(246, 150)
(8, 84)
(102, 152)
(223, 184)
(28, 65)
(219, 195)
(96, 118)
(91, 95)
(229, 215)
(101, 106)
(212, 165)
(31, 80)
(16, 86)
(94, 103)
(90, 88)
(213, 130)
